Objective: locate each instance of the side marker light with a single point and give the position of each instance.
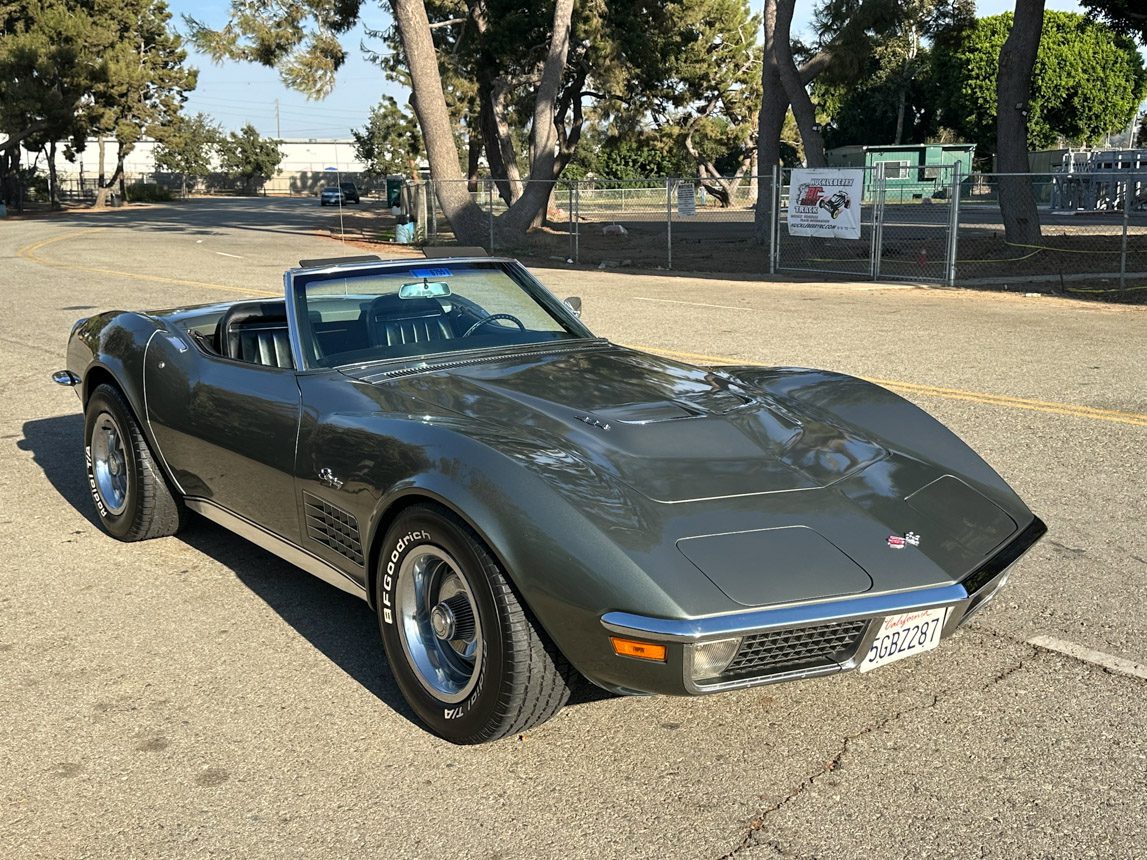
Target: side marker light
(638, 649)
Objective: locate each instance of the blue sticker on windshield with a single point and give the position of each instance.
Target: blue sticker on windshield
(431, 273)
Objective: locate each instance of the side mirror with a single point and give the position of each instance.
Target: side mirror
(574, 304)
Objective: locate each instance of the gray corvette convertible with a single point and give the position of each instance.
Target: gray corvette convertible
(521, 502)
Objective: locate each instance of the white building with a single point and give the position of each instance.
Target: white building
(302, 171)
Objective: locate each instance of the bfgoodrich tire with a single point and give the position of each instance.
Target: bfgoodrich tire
(466, 654)
(131, 495)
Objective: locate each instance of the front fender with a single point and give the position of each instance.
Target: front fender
(112, 343)
(884, 417)
(548, 520)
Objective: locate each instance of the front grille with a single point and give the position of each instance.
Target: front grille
(333, 527)
(796, 648)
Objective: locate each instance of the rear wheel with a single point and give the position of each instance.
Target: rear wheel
(465, 652)
(130, 492)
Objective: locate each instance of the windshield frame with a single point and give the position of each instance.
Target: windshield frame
(295, 282)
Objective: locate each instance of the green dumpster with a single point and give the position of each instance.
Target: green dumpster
(394, 190)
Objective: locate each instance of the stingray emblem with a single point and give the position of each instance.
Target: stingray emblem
(901, 541)
(328, 478)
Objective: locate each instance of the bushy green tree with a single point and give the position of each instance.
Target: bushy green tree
(487, 68)
(146, 81)
(642, 155)
(889, 96)
(1088, 81)
(52, 55)
(249, 157)
(1128, 17)
(186, 145)
(389, 142)
(697, 70)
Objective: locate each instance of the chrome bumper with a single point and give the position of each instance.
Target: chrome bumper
(963, 598)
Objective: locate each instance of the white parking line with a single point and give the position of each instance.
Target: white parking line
(1110, 662)
(225, 254)
(694, 304)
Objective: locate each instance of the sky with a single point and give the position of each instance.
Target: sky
(237, 93)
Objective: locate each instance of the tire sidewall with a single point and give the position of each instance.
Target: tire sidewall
(468, 718)
(100, 402)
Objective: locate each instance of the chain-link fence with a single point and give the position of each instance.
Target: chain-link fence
(928, 224)
(906, 228)
(1093, 228)
(616, 223)
(920, 224)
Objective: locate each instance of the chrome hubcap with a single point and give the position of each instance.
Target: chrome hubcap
(109, 463)
(442, 622)
(439, 626)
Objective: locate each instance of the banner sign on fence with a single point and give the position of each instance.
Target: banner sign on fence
(686, 199)
(825, 203)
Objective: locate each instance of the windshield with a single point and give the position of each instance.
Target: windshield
(425, 307)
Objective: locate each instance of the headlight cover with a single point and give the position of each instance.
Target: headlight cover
(710, 659)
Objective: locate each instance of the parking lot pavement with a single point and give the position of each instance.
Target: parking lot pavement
(195, 697)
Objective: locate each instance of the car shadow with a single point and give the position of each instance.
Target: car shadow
(338, 624)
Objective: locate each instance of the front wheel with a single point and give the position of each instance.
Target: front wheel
(130, 492)
(466, 654)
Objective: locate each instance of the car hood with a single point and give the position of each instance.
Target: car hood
(785, 486)
(672, 432)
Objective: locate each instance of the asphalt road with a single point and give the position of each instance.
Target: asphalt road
(196, 697)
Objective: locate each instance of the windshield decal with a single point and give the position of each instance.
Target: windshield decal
(431, 273)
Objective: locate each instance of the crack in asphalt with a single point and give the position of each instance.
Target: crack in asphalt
(757, 823)
(33, 346)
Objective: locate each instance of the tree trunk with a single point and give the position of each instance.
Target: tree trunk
(492, 92)
(753, 177)
(900, 107)
(505, 166)
(490, 142)
(101, 186)
(794, 86)
(774, 106)
(53, 178)
(9, 177)
(1013, 87)
(473, 156)
(544, 134)
(122, 152)
(106, 187)
(469, 223)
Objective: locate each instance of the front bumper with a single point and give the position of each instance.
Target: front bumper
(816, 638)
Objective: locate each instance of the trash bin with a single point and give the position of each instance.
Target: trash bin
(403, 231)
(394, 190)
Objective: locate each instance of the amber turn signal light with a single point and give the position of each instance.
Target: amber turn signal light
(641, 650)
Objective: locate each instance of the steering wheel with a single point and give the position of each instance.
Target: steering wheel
(491, 318)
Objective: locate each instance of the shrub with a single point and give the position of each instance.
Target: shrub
(147, 192)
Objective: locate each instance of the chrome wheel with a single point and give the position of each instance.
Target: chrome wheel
(439, 625)
(109, 463)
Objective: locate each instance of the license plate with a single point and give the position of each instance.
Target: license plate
(905, 635)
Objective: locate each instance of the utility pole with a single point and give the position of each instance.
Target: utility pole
(278, 130)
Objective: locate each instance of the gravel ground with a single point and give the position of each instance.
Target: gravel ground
(196, 697)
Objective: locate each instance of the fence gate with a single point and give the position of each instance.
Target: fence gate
(908, 218)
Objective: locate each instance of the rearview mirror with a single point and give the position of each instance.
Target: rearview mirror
(424, 290)
(574, 304)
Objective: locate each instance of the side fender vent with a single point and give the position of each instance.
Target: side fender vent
(333, 528)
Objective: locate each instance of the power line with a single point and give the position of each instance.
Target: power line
(263, 102)
(239, 104)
